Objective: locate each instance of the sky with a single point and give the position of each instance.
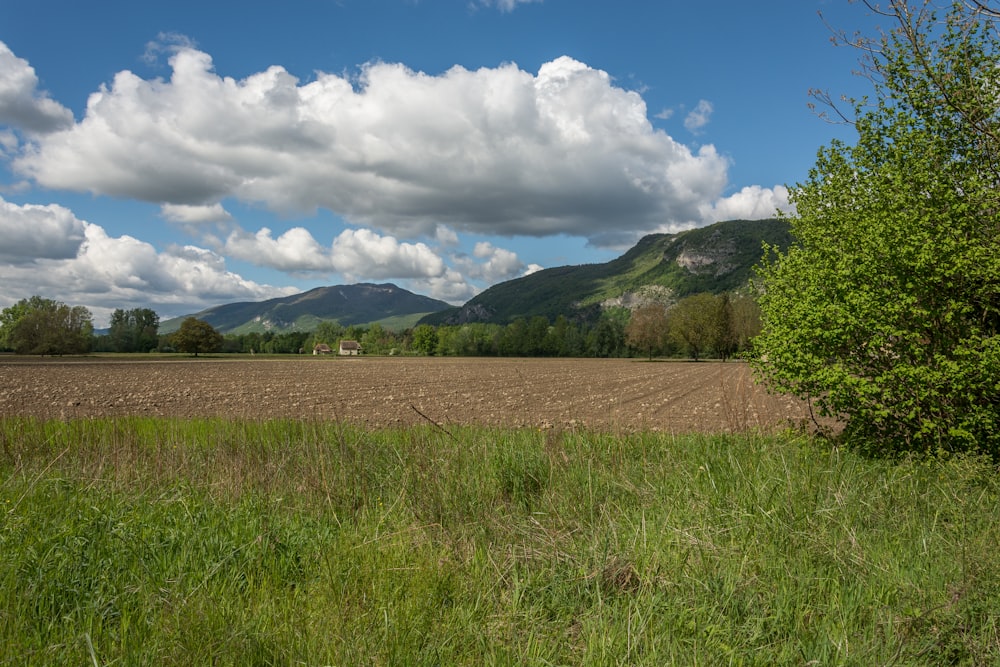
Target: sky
(186, 154)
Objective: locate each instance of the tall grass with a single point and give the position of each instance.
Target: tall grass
(150, 541)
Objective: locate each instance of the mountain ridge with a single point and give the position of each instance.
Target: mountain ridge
(661, 267)
(359, 304)
(716, 258)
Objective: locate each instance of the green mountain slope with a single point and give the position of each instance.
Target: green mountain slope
(361, 304)
(714, 259)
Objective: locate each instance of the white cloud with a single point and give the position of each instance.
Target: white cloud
(363, 253)
(195, 215)
(22, 105)
(698, 117)
(8, 142)
(451, 286)
(104, 273)
(751, 203)
(358, 254)
(496, 264)
(33, 232)
(445, 235)
(295, 251)
(505, 5)
(492, 151)
(490, 264)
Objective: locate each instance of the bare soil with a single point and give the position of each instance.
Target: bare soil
(598, 394)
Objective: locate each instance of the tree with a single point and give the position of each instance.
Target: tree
(537, 337)
(695, 323)
(11, 315)
(745, 320)
(726, 342)
(425, 339)
(566, 339)
(647, 328)
(196, 336)
(514, 339)
(134, 330)
(377, 340)
(607, 338)
(328, 332)
(886, 309)
(43, 326)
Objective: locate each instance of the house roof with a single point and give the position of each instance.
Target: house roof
(350, 345)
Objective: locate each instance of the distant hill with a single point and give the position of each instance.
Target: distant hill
(714, 259)
(362, 304)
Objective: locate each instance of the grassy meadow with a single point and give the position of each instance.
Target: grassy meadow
(141, 541)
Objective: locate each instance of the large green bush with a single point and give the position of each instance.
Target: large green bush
(886, 310)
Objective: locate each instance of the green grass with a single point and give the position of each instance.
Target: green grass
(137, 541)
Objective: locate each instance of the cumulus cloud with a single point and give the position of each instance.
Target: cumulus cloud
(32, 232)
(445, 236)
(451, 286)
(195, 215)
(22, 104)
(698, 117)
(76, 262)
(494, 151)
(358, 254)
(750, 203)
(494, 264)
(362, 252)
(364, 255)
(295, 251)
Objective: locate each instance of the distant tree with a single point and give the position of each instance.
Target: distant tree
(251, 342)
(197, 336)
(565, 338)
(695, 323)
(377, 340)
(10, 316)
(43, 326)
(514, 339)
(745, 320)
(233, 344)
(425, 339)
(286, 342)
(607, 338)
(328, 332)
(134, 330)
(726, 342)
(647, 329)
(353, 332)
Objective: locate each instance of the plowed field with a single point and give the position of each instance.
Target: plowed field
(599, 394)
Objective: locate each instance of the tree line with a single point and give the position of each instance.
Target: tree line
(697, 326)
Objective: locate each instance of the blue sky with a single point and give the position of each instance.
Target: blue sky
(181, 155)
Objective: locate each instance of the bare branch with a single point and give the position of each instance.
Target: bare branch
(983, 8)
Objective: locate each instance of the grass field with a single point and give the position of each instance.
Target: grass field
(164, 541)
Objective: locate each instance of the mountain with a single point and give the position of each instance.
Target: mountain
(717, 258)
(362, 304)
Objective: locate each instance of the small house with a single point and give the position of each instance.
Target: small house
(322, 348)
(349, 348)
